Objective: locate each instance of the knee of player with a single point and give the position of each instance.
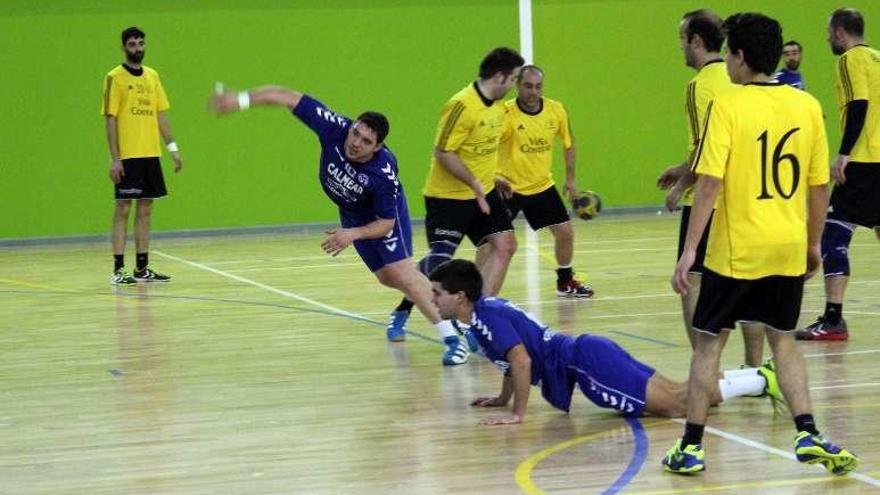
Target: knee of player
(123, 207)
(835, 248)
(505, 247)
(564, 233)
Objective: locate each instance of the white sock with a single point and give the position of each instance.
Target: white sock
(742, 385)
(740, 372)
(446, 329)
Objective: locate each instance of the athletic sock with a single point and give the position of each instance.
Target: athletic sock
(142, 261)
(564, 274)
(833, 313)
(693, 434)
(118, 262)
(446, 329)
(405, 305)
(741, 385)
(805, 422)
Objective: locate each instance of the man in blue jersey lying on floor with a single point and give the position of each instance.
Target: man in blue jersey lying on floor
(530, 353)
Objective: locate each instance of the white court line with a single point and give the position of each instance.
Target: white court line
(269, 288)
(295, 267)
(849, 385)
(773, 450)
(866, 351)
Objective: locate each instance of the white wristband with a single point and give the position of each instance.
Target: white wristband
(244, 100)
(172, 147)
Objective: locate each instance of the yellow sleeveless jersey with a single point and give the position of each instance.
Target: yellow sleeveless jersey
(710, 81)
(135, 101)
(526, 153)
(470, 125)
(858, 78)
(767, 144)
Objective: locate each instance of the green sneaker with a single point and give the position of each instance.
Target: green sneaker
(814, 449)
(687, 461)
(771, 389)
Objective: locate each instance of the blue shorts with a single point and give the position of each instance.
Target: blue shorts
(609, 376)
(395, 246)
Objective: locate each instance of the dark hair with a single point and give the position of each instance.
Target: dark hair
(503, 60)
(132, 32)
(377, 122)
(531, 68)
(758, 37)
(850, 20)
(707, 25)
(793, 43)
(459, 276)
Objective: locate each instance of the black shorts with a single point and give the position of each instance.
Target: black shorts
(682, 236)
(858, 199)
(541, 209)
(452, 219)
(774, 301)
(142, 180)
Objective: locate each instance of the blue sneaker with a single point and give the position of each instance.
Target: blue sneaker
(814, 449)
(473, 343)
(687, 461)
(456, 351)
(396, 328)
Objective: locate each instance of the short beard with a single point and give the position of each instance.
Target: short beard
(135, 57)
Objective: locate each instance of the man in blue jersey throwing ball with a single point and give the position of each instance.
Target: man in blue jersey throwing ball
(359, 174)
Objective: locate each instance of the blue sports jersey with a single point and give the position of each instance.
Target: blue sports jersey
(500, 325)
(790, 77)
(363, 192)
(607, 375)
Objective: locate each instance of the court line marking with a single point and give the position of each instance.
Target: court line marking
(523, 473)
(773, 450)
(848, 385)
(640, 454)
(263, 286)
(846, 353)
(639, 337)
(738, 486)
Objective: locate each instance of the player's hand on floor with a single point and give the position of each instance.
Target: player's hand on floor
(116, 171)
(679, 279)
(336, 241)
(513, 419)
(488, 402)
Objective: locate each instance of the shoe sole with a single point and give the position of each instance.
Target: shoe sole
(401, 338)
(836, 464)
(150, 280)
(573, 296)
(832, 337)
(695, 469)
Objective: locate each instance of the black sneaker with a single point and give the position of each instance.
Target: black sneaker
(120, 277)
(822, 330)
(147, 275)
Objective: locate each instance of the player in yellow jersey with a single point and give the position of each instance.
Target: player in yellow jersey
(764, 155)
(701, 38)
(856, 170)
(461, 199)
(526, 155)
(134, 106)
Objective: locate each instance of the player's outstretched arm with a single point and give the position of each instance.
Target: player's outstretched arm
(521, 378)
(226, 101)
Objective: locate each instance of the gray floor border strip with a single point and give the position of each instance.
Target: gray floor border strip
(302, 228)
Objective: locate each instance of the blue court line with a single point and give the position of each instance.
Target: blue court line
(640, 453)
(647, 339)
(218, 300)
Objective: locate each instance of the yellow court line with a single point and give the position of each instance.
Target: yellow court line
(32, 286)
(740, 486)
(523, 474)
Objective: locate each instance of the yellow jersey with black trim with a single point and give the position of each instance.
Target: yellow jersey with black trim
(526, 153)
(710, 81)
(767, 144)
(135, 100)
(858, 78)
(470, 125)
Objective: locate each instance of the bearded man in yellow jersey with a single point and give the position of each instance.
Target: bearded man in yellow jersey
(461, 199)
(764, 156)
(701, 39)
(856, 170)
(134, 107)
(526, 155)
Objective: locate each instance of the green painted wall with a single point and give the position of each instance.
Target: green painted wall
(615, 64)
